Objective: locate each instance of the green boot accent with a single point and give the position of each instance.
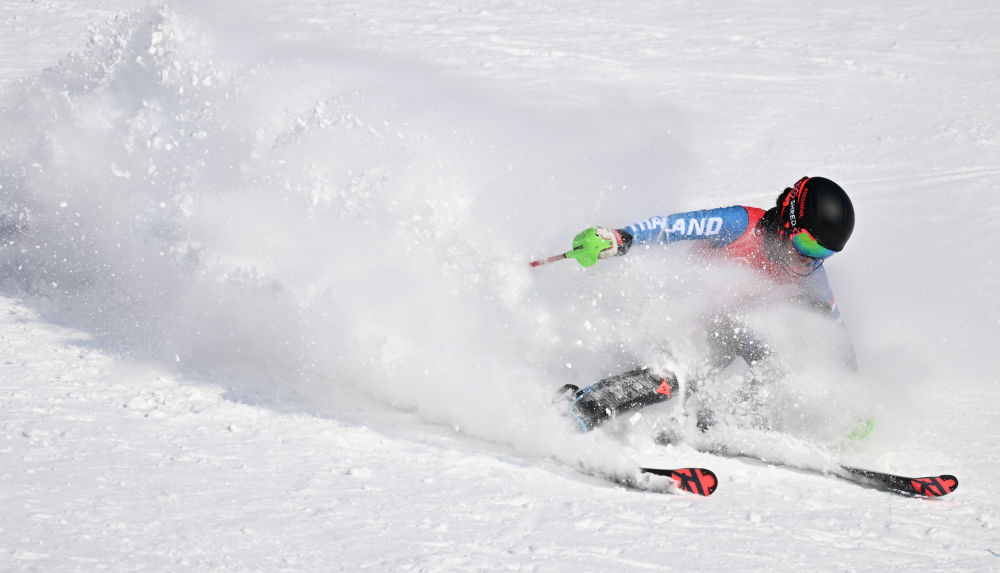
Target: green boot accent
(862, 430)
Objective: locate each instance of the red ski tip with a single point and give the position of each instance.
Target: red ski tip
(699, 481)
(934, 486)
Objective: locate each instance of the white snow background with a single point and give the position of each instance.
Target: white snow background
(266, 304)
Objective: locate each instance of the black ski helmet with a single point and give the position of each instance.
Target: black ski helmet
(821, 207)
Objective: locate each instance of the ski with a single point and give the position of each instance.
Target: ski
(703, 481)
(925, 487)
(931, 486)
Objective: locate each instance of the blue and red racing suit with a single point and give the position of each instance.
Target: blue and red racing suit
(729, 232)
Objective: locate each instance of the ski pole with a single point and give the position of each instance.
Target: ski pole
(587, 247)
(551, 259)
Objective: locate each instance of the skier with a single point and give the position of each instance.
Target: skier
(786, 244)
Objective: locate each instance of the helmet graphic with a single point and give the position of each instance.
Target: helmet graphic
(820, 206)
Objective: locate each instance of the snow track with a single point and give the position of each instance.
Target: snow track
(266, 304)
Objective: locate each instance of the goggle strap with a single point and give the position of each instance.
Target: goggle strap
(792, 203)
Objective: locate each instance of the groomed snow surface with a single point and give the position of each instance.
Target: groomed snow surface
(265, 303)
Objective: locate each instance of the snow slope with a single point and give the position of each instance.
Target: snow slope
(266, 302)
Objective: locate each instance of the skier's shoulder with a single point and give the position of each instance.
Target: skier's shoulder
(730, 212)
(734, 217)
(754, 213)
(732, 222)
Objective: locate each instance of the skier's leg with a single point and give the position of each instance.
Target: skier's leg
(625, 392)
(730, 339)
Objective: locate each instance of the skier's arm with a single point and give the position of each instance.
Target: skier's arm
(719, 226)
(844, 345)
(820, 298)
(716, 226)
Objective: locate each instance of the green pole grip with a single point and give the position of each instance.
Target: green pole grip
(587, 247)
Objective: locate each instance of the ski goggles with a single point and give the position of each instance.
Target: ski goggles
(806, 245)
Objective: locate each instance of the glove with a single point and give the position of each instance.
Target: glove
(599, 243)
(621, 241)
